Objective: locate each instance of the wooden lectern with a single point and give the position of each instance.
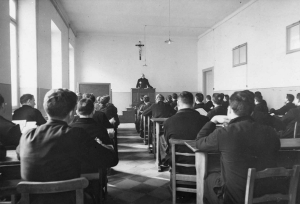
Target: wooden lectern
(136, 94)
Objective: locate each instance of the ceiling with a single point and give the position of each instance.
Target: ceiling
(189, 18)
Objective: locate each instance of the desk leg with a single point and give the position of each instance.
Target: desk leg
(144, 124)
(201, 166)
(149, 131)
(154, 140)
(157, 147)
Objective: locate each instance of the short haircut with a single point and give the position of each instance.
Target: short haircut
(199, 97)
(146, 98)
(160, 97)
(241, 102)
(217, 98)
(290, 97)
(79, 96)
(85, 106)
(298, 96)
(208, 97)
(227, 97)
(24, 98)
(222, 96)
(174, 96)
(258, 98)
(59, 103)
(104, 99)
(90, 96)
(186, 97)
(169, 97)
(1, 100)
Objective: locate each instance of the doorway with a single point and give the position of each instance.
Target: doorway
(208, 81)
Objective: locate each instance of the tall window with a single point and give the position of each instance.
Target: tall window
(71, 68)
(56, 56)
(13, 52)
(239, 55)
(293, 37)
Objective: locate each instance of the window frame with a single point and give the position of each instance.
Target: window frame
(288, 39)
(246, 55)
(15, 23)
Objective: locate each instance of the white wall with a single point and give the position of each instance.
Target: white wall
(115, 60)
(261, 24)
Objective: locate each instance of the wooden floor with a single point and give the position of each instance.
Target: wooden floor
(136, 179)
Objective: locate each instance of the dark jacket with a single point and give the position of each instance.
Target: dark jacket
(243, 144)
(111, 112)
(219, 110)
(101, 118)
(268, 120)
(184, 125)
(208, 106)
(10, 133)
(55, 151)
(159, 110)
(289, 120)
(199, 105)
(144, 107)
(29, 113)
(261, 107)
(284, 109)
(94, 129)
(143, 83)
(173, 104)
(225, 104)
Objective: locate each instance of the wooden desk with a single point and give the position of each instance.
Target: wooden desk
(289, 155)
(156, 127)
(11, 158)
(147, 129)
(136, 95)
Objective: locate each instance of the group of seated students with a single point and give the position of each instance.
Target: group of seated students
(249, 138)
(72, 141)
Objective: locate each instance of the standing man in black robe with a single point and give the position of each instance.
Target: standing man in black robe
(143, 83)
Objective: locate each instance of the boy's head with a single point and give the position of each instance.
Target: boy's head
(208, 98)
(85, 107)
(217, 99)
(60, 103)
(257, 99)
(199, 97)
(104, 99)
(290, 97)
(27, 99)
(185, 99)
(146, 99)
(241, 103)
(90, 96)
(174, 96)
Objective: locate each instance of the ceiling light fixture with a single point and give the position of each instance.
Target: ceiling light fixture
(145, 65)
(169, 41)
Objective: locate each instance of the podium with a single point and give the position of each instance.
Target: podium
(136, 94)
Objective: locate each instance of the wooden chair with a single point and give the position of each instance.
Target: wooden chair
(78, 184)
(273, 172)
(177, 178)
(10, 176)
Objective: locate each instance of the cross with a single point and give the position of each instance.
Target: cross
(140, 45)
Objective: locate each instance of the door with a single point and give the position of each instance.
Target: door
(208, 81)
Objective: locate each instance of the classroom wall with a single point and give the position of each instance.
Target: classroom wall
(261, 24)
(5, 74)
(45, 13)
(115, 60)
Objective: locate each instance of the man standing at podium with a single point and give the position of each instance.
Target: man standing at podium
(143, 83)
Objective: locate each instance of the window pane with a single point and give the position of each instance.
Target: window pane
(294, 35)
(236, 56)
(13, 62)
(243, 54)
(12, 9)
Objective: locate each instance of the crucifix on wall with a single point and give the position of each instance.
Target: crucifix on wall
(140, 45)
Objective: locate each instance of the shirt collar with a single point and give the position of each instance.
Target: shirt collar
(56, 122)
(241, 118)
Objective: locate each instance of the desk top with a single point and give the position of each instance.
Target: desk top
(158, 119)
(286, 144)
(11, 158)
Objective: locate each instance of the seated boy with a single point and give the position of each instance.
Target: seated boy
(55, 151)
(85, 111)
(287, 106)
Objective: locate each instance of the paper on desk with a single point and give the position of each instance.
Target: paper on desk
(21, 123)
(201, 111)
(29, 125)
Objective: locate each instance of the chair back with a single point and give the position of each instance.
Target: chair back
(179, 178)
(27, 187)
(268, 173)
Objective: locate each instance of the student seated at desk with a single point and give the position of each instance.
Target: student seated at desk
(142, 108)
(110, 110)
(9, 132)
(208, 105)
(174, 101)
(27, 111)
(218, 108)
(199, 101)
(288, 105)
(289, 120)
(242, 144)
(259, 104)
(85, 111)
(55, 151)
(225, 103)
(184, 125)
(159, 109)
